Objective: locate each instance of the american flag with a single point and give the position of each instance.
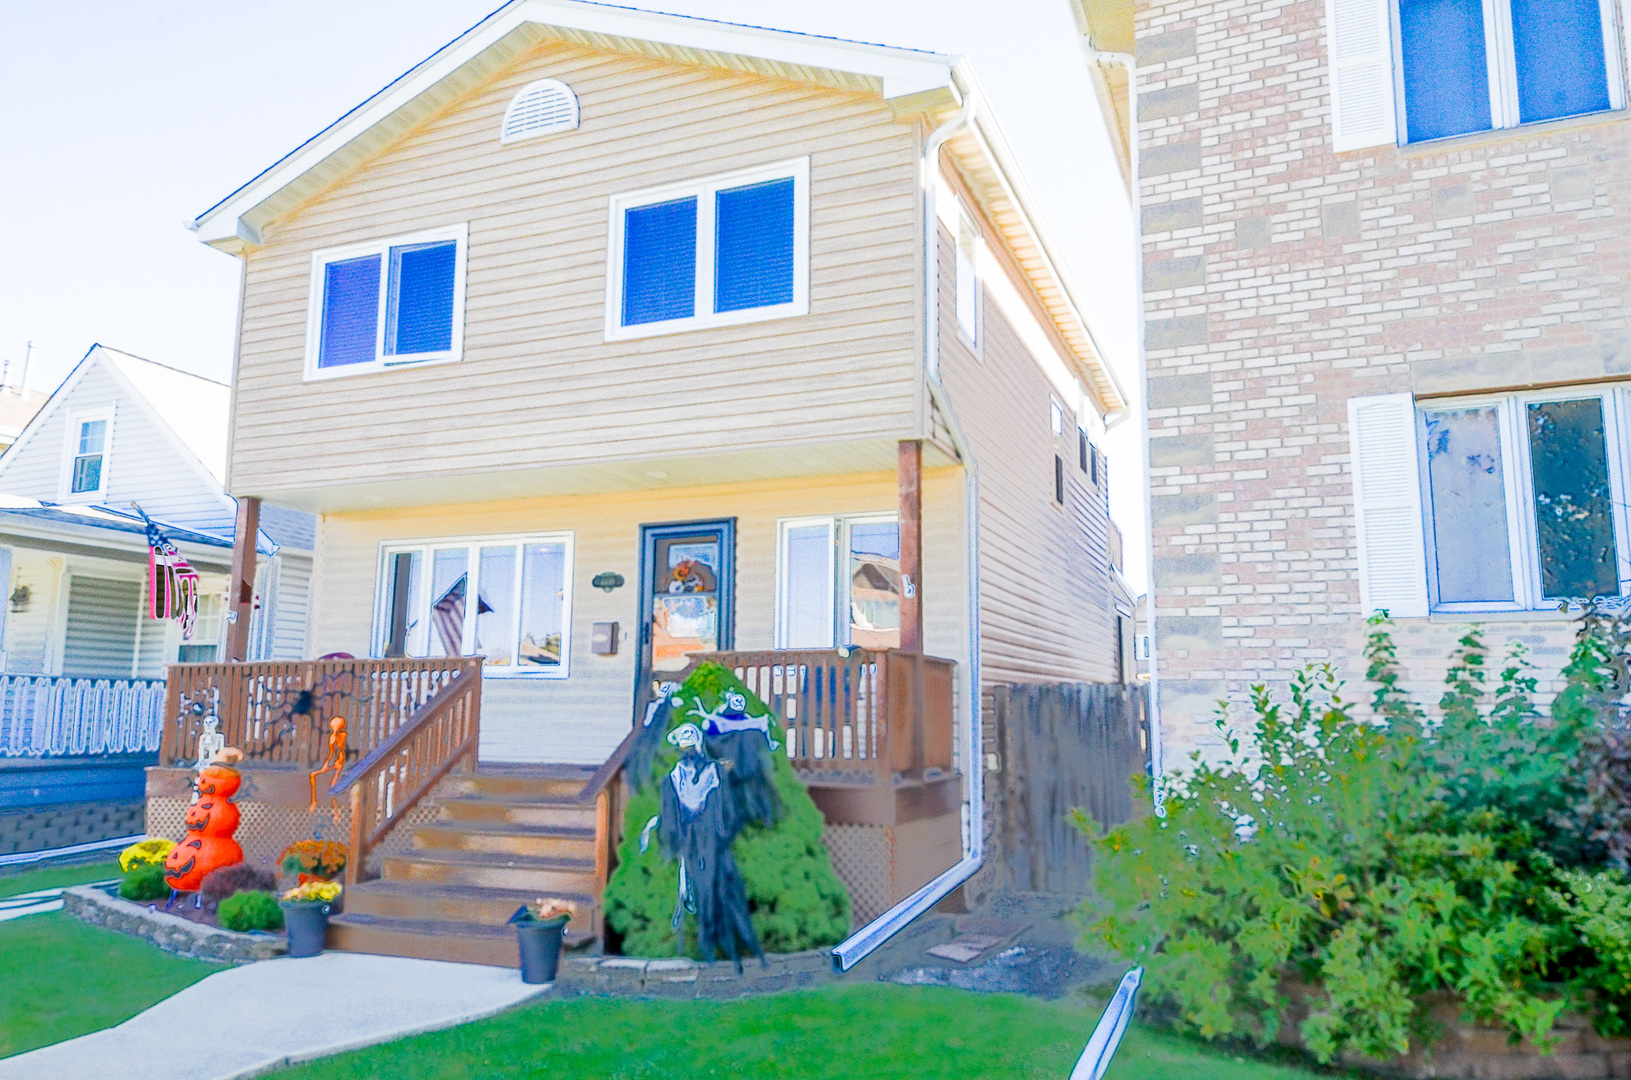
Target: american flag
(447, 616)
(171, 581)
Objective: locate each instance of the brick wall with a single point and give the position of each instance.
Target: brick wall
(1282, 279)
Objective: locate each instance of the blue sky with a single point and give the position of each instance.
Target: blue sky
(125, 120)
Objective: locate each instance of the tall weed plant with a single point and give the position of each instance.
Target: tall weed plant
(1370, 865)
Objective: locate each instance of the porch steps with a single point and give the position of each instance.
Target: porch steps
(505, 836)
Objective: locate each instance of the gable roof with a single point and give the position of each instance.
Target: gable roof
(913, 81)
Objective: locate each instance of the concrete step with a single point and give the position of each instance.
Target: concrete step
(546, 812)
(501, 838)
(427, 901)
(560, 781)
(534, 874)
(430, 939)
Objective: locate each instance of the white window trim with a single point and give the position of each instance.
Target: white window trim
(704, 190)
(968, 235)
(1518, 476)
(474, 544)
(839, 529)
(382, 248)
(76, 419)
(1501, 60)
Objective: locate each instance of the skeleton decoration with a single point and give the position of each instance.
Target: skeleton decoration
(704, 806)
(210, 743)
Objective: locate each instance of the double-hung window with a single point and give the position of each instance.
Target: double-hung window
(386, 303)
(506, 598)
(85, 470)
(718, 252)
(1508, 502)
(839, 583)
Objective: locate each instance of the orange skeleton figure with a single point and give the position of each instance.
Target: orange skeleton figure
(335, 761)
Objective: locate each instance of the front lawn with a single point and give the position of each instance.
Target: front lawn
(858, 1030)
(60, 978)
(55, 877)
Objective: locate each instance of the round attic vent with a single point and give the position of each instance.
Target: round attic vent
(541, 108)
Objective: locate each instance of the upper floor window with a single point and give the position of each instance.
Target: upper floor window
(968, 280)
(86, 472)
(507, 599)
(389, 302)
(718, 252)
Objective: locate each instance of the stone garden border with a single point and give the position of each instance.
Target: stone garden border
(169, 932)
(681, 977)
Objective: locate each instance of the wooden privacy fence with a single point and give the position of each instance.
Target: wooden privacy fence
(277, 712)
(1062, 747)
(49, 715)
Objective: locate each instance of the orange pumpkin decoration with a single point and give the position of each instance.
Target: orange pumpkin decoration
(211, 820)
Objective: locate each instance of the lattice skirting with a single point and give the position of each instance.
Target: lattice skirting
(267, 828)
(883, 864)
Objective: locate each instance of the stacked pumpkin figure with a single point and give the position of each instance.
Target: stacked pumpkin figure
(211, 821)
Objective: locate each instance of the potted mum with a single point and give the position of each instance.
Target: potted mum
(306, 909)
(314, 860)
(540, 927)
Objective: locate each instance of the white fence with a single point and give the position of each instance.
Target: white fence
(51, 716)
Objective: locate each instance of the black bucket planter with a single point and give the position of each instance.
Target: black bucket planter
(540, 948)
(307, 923)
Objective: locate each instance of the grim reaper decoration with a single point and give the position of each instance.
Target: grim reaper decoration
(723, 781)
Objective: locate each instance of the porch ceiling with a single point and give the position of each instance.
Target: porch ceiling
(645, 474)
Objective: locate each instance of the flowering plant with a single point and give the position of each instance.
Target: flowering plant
(323, 891)
(543, 910)
(320, 858)
(145, 853)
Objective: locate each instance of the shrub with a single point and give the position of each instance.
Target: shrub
(144, 881)
(230, 880)
(1382, 859)
(251, 910)
(796, 900)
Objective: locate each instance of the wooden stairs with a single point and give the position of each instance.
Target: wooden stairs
(505, 835)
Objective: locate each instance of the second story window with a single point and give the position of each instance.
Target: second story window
(87, 456)
(390, 302)
(717, 252)
(1468, 65)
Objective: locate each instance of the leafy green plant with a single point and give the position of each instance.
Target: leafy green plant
(250, 910)
(797, 901)
(144, 881)
(231, 880)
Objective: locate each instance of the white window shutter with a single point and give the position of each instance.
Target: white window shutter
(1387, 505)
(1359, 52)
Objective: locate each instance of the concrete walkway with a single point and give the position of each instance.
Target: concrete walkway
(246, 1020)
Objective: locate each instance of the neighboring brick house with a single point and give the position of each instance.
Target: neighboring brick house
(1428, 246)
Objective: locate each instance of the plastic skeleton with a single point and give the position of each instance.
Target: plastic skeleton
(210, 743)
(335, 762)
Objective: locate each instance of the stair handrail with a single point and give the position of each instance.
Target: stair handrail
(390, 753)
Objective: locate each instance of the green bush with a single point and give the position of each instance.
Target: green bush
(1380, 860)
(250, 910)
(144, 881)
(796, 899)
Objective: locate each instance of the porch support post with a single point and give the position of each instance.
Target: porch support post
(909, 473)
(242, 587)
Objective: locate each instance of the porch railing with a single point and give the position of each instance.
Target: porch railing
(277, 712)
(855, 716)
(55, 716)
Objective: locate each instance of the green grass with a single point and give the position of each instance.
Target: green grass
(862, 1030)
(60, 978)
(55, 877)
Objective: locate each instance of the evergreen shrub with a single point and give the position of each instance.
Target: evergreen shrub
(250, 910)
(144, 881)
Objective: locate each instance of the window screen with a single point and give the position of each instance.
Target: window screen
(350, 311)
(419, 303)
(753, 250)
(660, 262)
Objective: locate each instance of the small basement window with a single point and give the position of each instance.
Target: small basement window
(719, 252)
(387, 303)
(541, 108)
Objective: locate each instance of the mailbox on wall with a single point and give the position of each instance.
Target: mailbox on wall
(603, 639)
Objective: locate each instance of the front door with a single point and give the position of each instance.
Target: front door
(687, 596)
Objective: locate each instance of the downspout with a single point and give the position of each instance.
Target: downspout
(851, 951)
(1129, 63)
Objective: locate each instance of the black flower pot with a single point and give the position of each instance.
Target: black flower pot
(540, 949)
(307, 923)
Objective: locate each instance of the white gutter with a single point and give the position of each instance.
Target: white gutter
(851, 951)
(1129, 63)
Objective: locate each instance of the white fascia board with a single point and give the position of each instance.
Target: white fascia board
(902, 71)
(109, 539)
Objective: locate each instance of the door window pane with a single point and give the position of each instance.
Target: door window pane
(495, 605)
(1467, 482)
(807, 593)
(685, 609)
(543, 605)
(1558, 46)
(449, 574)
(1574, 509)
(1446, 71)
(874, 577)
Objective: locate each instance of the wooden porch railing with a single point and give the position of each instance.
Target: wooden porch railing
(277, 712)
(394, 776)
